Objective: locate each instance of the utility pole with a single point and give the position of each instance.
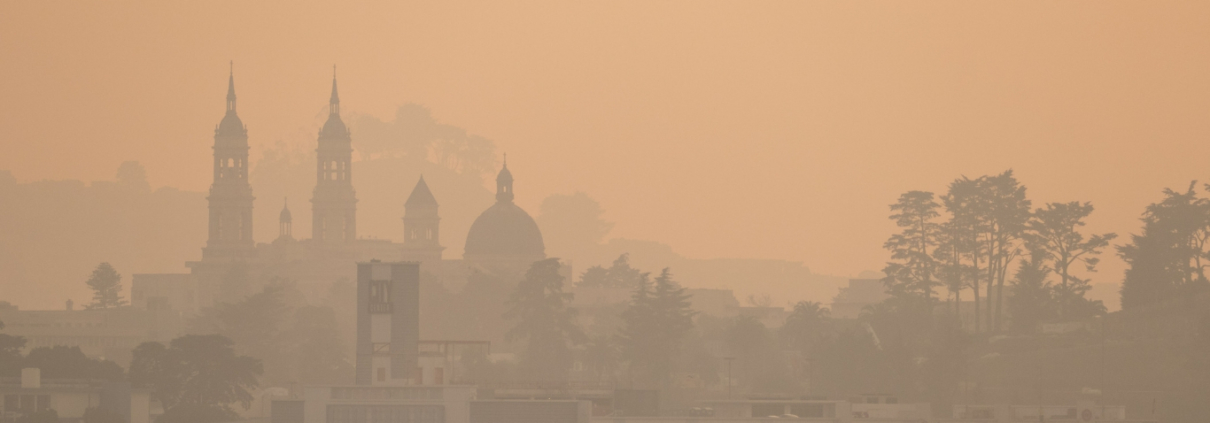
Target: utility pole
(729, 360)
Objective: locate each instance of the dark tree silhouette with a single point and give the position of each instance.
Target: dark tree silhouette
(913, 268)
(1030, 296)
(653, 326)
(10, 353)
(1006, 213)
(1054, 234)
(200, 374)
(806, 326)
(546, 323)
(982, 238)
(962, 250)
(106, 285)
(618, 275)
(1168, 259)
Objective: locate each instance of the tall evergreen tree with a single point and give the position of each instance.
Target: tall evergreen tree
(654, 324)
(1169, 259)
(963, 249)
(913, 270)
(1031, 296)
(1007, 213)
(106, 285)
(545, 321)
(1054, 234)
(982, 238)
(952, 270)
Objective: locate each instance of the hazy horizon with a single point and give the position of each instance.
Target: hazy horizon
(776, 130)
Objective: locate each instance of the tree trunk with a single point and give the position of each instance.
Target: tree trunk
(975, 287)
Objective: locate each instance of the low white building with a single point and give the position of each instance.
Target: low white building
(71, 398)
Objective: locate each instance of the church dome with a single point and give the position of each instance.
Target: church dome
(334, 127)
(505, 229)
(285, 216)
(231, 125)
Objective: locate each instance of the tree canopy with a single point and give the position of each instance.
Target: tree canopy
(544, 321)
(196, 376)
(106, 285)
(654, 325)
(1168, 259)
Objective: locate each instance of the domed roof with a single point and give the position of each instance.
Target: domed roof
(334, 126)
(285, 215)
(505, 229)
(230, 125)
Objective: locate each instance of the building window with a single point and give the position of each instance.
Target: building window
(380, 297)
(382, 374)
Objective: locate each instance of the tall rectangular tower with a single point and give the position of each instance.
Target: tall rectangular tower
(388, 322)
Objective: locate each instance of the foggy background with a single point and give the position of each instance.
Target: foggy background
(776, 130)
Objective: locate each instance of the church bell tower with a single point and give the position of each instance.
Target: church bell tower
(334, 202)
(230, 196)
(421, 240)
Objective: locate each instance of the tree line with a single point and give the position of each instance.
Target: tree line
(968, 239)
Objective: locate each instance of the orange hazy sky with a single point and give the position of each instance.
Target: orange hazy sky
(725, 129)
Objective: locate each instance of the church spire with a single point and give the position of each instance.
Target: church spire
(231, 89)
(334, 103)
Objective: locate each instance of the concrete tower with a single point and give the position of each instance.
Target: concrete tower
(231, 195)
(334, 202)
(388, 323)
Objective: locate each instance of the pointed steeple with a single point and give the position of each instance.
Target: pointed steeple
(334, 127)
(334, 102)
(421, 196)
(421, 224)
(231, 89)
(231, 125)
